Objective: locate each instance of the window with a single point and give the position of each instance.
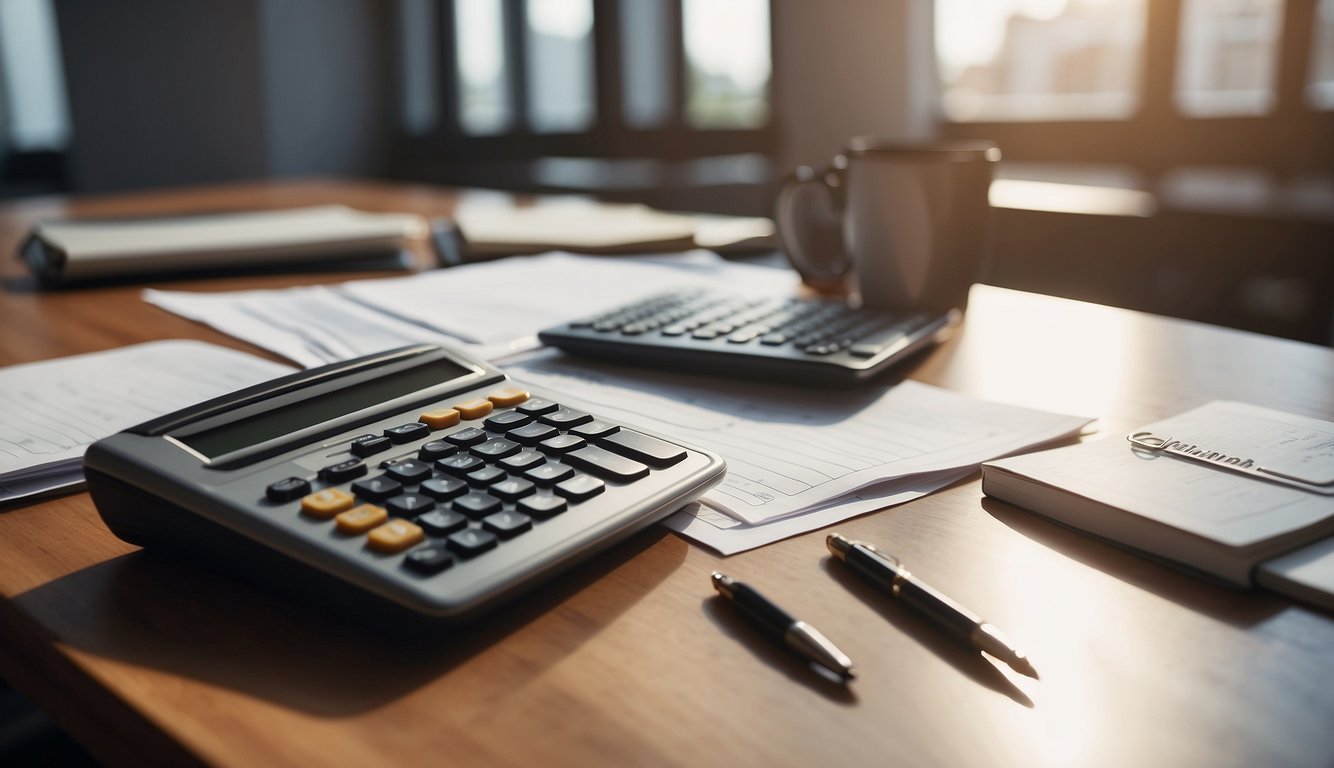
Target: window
(1320, 91)
(728, 63)
(1228, 56)
(483, 83)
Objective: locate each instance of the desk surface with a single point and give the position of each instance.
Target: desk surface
(628, 659)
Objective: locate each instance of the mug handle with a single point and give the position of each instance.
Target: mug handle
(832, 262)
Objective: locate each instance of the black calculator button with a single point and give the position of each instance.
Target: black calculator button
(595, 429)
(406, 433)
(533, 433)
(606, 464)
(428, 560)
(523, 460)
(580, 487)
(497, 448)
(477, 504)
(565, 418)
(873, 345)
(287, 490)
(512, 489)
(542, 507)
(436, 449)
(377, 488)
(562, 444)
(537, 406)
(471, 542)
(409, 471)
(409, 505)
(467, 437)
(650, 450)
(486, 476)
(441, 522)
(504, 422)
(508, 524)
(367, 445)
(773, 339)
(549, 474)
(461, 464)
(444, 488)
(343, 471)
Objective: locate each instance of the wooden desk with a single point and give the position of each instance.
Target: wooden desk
(628, 660)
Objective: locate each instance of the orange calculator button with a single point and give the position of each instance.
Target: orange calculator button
(474, 409)
(326, 503)
(395, 536)
(504, 398)
(361, 519)
(440, 418)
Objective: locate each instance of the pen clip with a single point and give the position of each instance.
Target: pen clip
(1156, 444)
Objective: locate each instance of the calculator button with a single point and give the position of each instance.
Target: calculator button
(377, 488)
(440, 418)
(879, 342)
(507, 420)
(532, 434)
(343, 471)
(523, 460)
(549, 474)
(650, 450)
(486, 476)
(606, 464)
(410, 505)
(537, 406)
(565, 418)
(461, 464)
(477, 504)
(474, 409)
(595, 428)
(287, 490)
(542, 507)
(367, 445)
(395, 536)
(327, 503)
(406, 433)
(467, 437)
(471, 542)
(562, 444)
(409, 471)
(441, 522)
(580, 487)
(498, 448)
(774, 339)
(436, 449)
(444, 488)
(512, 489)
(428, 560)
(504, 398)
(508, 524)
(361, 519)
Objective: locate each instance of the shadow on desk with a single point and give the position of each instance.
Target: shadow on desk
(166, 614)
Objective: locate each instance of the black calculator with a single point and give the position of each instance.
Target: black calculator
(416, 478)
(781, 339)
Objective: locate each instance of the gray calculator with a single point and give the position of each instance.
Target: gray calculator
(416, 478)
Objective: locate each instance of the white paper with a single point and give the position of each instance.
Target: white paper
(51, 411)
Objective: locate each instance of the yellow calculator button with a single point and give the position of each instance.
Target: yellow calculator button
(474, 409)
(504, 398)
(361, 519)
(394, 536)
(326, 503)
(440, 418)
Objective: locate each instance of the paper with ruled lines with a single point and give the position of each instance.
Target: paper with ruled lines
(51, 411)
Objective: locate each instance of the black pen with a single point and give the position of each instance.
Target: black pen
(890, 575)
(800, 637)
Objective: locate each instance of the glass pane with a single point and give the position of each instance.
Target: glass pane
(647, 88)
(1321, 89)
(560, 65)
(1039, 59)
(728, 63)
(1229, 56)
(34, 81)
(484, 98)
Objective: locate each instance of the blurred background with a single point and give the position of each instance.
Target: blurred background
(1175, 156)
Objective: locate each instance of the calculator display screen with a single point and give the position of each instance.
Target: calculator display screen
(262, 427)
